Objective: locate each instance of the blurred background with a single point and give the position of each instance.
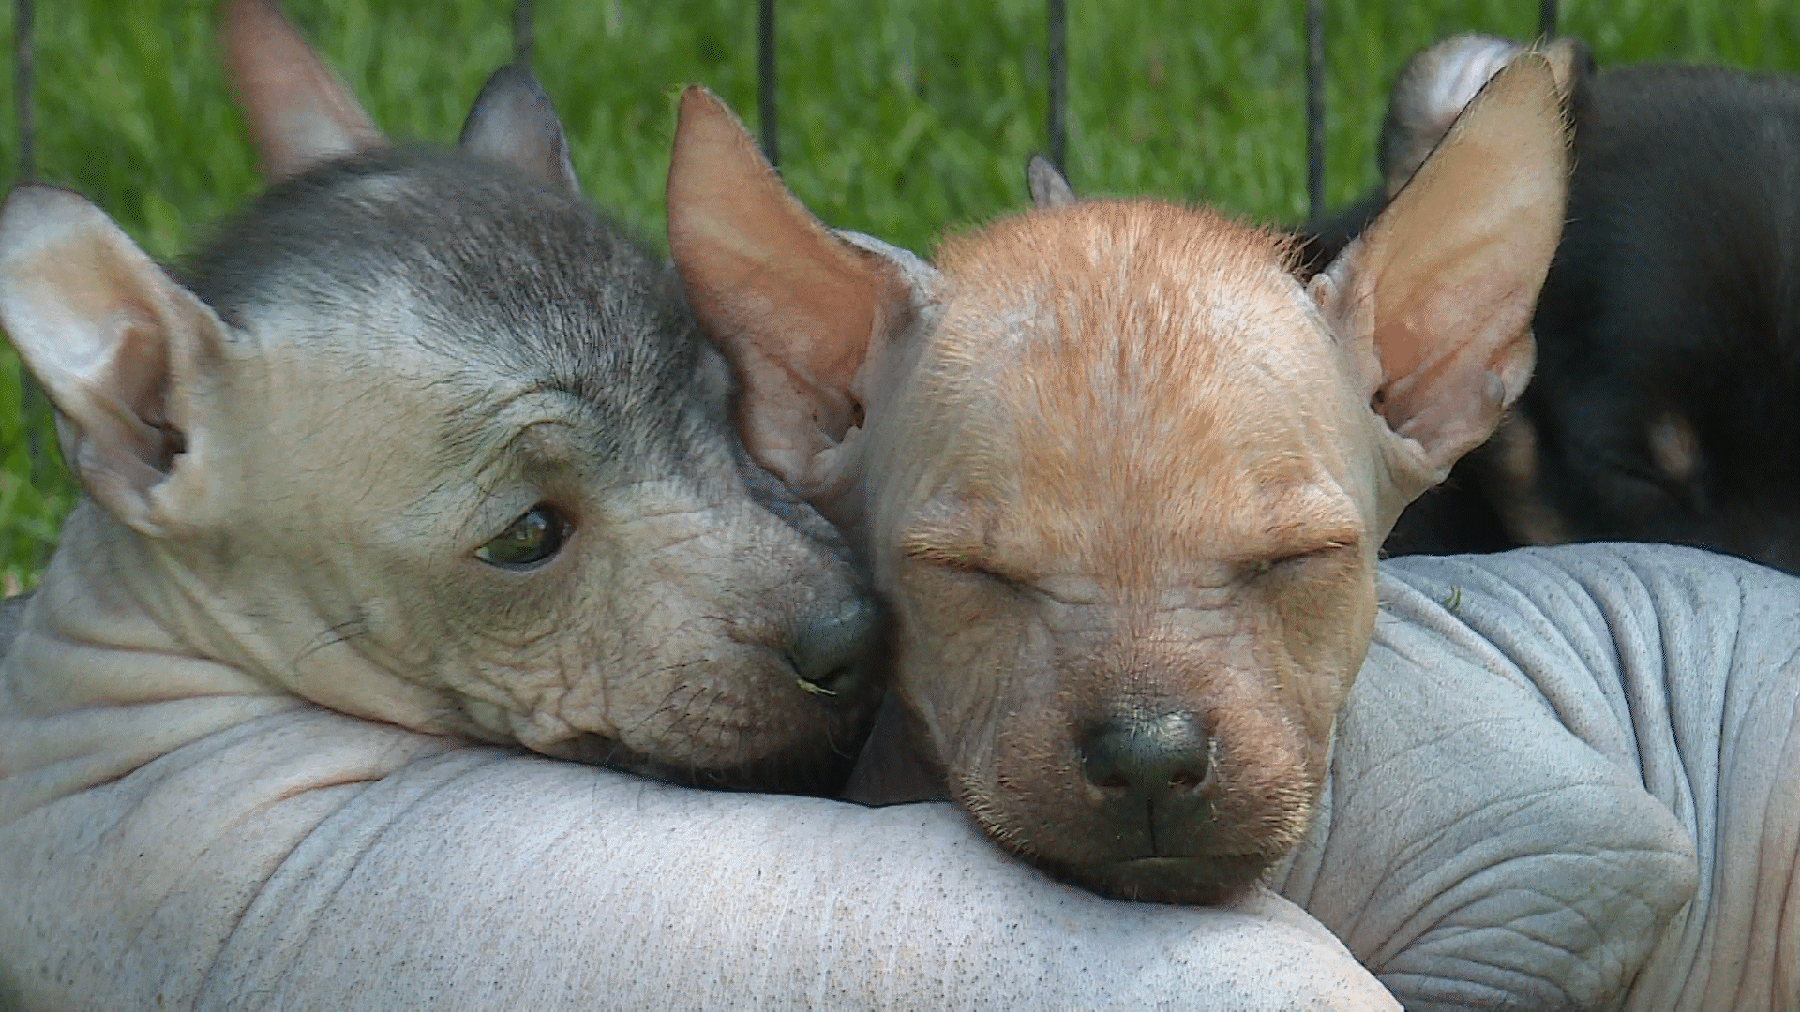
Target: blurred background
(901, 119)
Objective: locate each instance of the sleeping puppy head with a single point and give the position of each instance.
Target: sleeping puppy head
(1120, 475)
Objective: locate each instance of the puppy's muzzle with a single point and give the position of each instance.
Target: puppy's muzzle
(832, 653)
(1152, 776)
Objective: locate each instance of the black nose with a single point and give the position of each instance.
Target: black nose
(1163, 762)
(830, 650)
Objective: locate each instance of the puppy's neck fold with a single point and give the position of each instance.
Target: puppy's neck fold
(95, 624)
(120, 621)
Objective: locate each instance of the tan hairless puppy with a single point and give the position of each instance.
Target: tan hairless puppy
(1123, 479)
(1121, 476)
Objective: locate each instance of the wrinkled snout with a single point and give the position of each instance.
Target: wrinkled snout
(733, 643)
(1164, 800)
(1181, 777)
(1151, 776)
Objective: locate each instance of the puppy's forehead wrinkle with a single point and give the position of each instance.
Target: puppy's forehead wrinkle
(1144, 322)
(480, 423)
(1114, 383)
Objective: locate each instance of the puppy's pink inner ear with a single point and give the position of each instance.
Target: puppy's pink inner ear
(792, 305)
(116, 343)
(300, 112)
(1444, 283)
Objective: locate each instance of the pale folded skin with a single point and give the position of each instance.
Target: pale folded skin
(1544, 752)
(1569, 777)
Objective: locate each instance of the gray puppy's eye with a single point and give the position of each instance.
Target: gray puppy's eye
(531, 539)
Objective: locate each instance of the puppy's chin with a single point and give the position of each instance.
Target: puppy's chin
(739, 720)
(1208, 854)
(818, 770)
(1188, 880)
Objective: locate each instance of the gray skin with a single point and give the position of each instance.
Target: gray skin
(704, 626)
(216, 795)
(1564, 780)
(1560, 781)
(421, 436)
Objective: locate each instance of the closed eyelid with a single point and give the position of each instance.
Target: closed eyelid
(1290, 545)
(958, 553)
(929, 539)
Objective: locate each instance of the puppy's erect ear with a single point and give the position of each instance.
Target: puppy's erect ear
(117, 345)
(799, 310)
(1439, 82)
(1434, 301)
(513, 122)
(299, 111)
(1048, 186)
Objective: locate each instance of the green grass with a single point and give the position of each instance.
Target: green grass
(902, 122)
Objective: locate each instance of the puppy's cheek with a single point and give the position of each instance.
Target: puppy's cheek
(691, 691)
(1270, 772)
(725, 708)
(680, 664)
(712, 629)
(1314, 640)
(963, 653)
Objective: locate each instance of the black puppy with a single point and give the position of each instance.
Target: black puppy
(1666, 402)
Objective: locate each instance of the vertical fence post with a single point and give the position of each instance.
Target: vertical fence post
(1547, 18)
(522, 33)
(1057, 55)
(31, 402)
(22, 82)
(765, 79)
(1315, 109)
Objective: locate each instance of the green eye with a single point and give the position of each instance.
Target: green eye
(530, 540)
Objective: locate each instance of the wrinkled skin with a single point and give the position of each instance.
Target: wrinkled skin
(1564, 779)
(300, 460)
(658, 637)
(243, 721)
(1020, 554)
(1120, 476)
(251, 848)
(389, 869)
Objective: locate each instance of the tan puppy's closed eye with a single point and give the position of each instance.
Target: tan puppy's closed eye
(1121, 477)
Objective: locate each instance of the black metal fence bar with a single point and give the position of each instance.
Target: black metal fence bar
(522, 33)
(1315, 109)
(32, 402)
(22, 82)
(1057, 56)
(765, 79)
